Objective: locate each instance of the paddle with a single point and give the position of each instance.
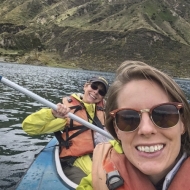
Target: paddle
(53, 106)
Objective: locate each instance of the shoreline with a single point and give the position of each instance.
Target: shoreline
(3, 60)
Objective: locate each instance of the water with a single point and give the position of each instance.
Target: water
(17, 149)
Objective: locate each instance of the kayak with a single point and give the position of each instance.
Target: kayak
(45, 172)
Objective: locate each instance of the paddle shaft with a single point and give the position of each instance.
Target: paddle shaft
(53, 106)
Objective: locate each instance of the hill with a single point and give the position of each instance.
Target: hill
(97, 34)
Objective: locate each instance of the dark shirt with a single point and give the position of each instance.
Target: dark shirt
(159, 185)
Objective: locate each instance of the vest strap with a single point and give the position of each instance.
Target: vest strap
(68, 161)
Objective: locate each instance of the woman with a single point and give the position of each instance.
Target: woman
(76, 141)
(148, 115)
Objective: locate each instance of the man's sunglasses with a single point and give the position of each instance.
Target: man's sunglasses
(163, 116)
(95, 87)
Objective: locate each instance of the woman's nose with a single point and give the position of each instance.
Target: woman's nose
(97, 90)
(146, 126)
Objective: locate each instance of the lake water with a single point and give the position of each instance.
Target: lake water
(17, 149)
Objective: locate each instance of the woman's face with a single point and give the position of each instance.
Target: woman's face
(92, 96)
(144, 94)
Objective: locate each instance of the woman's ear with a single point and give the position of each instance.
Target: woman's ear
(85, 86)
(183, 130)
(116, 130)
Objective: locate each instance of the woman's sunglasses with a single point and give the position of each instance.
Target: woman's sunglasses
(163, 116)
(100, 91)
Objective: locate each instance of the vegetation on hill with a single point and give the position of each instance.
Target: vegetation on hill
(97, 34)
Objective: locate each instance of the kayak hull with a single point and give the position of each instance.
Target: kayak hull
(42, 174)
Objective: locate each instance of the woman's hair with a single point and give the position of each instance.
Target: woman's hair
(136, 70)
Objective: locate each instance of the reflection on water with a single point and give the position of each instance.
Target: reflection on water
(17, 149)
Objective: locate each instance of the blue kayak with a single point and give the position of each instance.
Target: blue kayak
(45, 172)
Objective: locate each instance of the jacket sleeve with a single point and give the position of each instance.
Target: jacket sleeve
(86, 183)
(42, 122)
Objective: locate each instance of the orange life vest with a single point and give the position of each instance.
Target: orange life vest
(132, 178)
(77, 140)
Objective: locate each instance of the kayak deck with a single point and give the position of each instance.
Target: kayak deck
(42, 174)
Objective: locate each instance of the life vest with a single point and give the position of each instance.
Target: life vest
(117, 173)
(76, 139)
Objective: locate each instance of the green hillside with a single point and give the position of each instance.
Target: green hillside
(97, 34)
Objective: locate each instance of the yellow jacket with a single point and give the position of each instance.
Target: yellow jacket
(43, 121)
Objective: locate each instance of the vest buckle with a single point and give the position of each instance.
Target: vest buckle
(114, 180)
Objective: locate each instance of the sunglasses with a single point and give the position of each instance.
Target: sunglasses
(95, 87)
(163, 116)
